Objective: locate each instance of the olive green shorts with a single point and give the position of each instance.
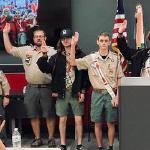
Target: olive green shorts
(102, 109)
(62, 106)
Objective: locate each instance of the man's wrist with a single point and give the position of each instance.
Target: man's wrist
(120, 34)
(5, 32)
(7, 96)
(44, 54)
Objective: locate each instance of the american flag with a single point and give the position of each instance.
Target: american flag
(119, 18)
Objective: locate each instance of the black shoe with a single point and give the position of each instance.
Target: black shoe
(62, 147)
(101, 148)
(51, 143)
(110, 148)
(36, 143)
(81, 148)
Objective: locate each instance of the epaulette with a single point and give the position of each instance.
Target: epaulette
(115, 53)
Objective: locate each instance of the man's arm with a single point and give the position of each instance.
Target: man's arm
(126, 51)
(74, 42)
(4, 83)
(7, 43)
(5, 89)
(120, 74)
(115, 101)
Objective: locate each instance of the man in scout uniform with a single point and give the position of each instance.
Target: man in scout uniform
(37, 98)
(105, 73)
(4, 100)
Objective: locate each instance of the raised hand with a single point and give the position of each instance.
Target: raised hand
(44, 48)
(138, 9)
(6, 28)
(75, 39)
(122, 27)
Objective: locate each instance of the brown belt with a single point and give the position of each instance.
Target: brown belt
(39, 85)
(104, 90)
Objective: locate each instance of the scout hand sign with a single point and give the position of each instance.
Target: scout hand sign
(6, 28)
(123, 27)
(75, 39)
(44, 49)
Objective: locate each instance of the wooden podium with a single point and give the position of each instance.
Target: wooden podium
(134, 114)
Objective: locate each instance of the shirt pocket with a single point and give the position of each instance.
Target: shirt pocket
(111, 73)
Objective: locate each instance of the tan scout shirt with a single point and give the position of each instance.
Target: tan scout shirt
(32, 72)
(110, 67)
(4, 85)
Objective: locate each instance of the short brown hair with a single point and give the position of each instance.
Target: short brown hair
(39, 30)
(103, 34)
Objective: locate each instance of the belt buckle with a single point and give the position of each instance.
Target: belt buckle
(42, 86)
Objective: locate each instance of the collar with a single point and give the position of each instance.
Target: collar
(35, 49)
(109, 56)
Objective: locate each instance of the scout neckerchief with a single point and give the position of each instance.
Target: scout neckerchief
(109, 89)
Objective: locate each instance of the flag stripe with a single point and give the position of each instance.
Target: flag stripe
(119, 18)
